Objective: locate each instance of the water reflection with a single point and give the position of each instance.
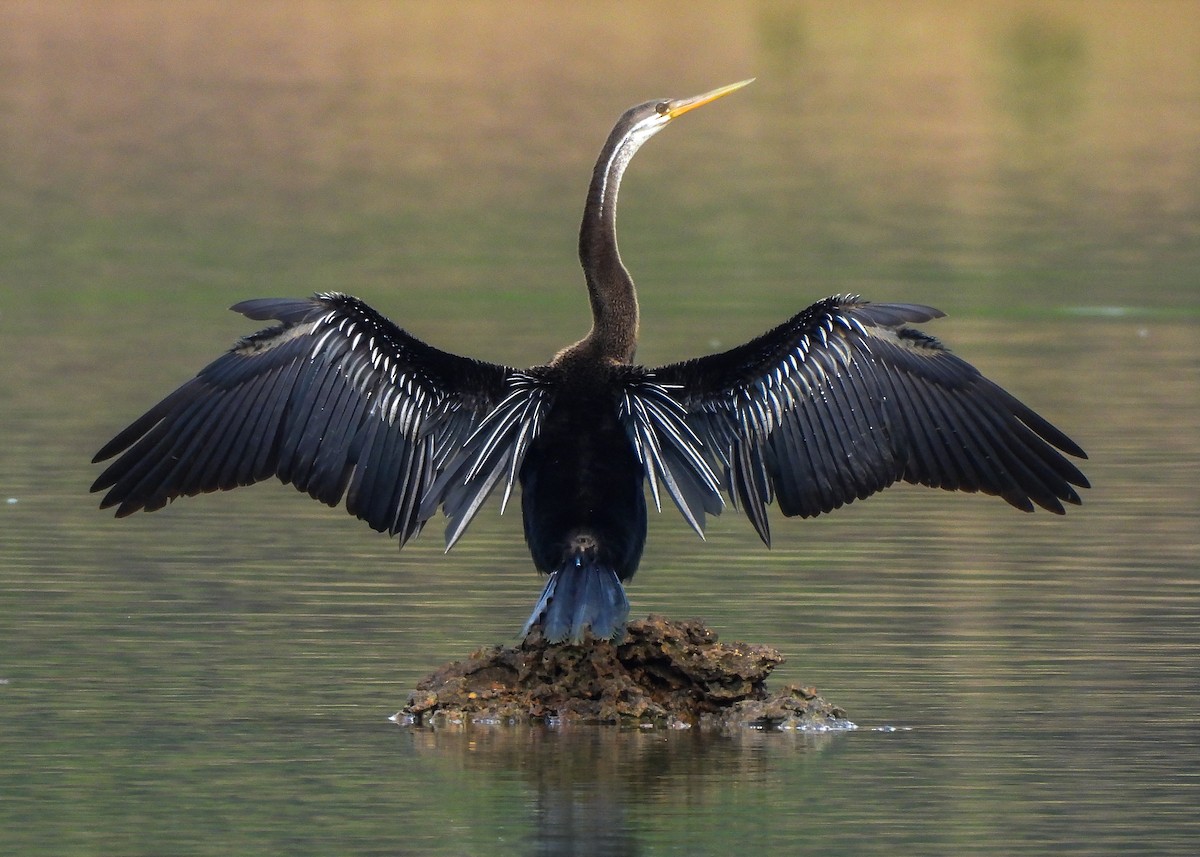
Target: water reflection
(591, 790)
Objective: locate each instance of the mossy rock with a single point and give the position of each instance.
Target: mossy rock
(662, 672)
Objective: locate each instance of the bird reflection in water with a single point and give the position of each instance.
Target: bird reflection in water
(836, 403)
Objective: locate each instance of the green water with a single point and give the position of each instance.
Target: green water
(217, 677)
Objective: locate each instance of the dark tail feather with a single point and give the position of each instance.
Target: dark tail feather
(581, 594)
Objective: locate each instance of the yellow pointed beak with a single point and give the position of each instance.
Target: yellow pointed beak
(683, 105)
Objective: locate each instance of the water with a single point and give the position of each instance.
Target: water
(217, 677)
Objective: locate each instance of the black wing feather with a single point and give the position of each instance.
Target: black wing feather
(843, 400)
(335, 400)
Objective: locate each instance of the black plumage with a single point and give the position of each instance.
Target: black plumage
(835, 404)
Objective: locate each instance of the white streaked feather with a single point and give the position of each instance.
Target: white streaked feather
(495, 449)
(320, 344)
(657, 426)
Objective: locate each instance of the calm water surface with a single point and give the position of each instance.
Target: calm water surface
(216, 678)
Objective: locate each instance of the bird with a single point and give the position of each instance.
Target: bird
(836, 403)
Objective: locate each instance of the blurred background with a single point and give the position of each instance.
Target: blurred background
(216, 677)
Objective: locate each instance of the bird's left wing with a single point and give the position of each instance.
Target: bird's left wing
(843, 399)
(336, 400)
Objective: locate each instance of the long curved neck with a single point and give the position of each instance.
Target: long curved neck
(610, 288)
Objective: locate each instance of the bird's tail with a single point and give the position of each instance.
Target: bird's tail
(581, 594)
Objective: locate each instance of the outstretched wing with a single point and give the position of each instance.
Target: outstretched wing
(335, 400)
(843, 400)
(493, 451)
(670, 452)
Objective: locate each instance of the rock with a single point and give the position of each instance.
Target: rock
(668, 673)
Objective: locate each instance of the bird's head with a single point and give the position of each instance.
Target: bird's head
(642, 122)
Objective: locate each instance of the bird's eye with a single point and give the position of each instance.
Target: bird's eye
(663, 108)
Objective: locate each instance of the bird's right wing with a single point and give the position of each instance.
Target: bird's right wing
(843, 400)
(336, 400)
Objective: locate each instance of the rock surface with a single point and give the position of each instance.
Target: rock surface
(663, 672)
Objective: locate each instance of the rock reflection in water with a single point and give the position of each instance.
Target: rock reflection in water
(596, 790)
